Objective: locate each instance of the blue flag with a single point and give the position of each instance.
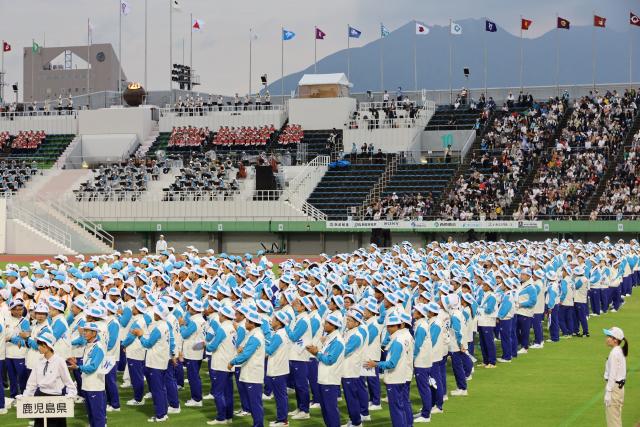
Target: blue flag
(383, 30)
(353, 33)
(490, 26)
(287, 35)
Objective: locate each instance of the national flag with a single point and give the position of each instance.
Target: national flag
(6, 47)
(383, 31)
(634, 19)
(525, 24)
(563, 24)
(599, 21)
(490, 26)
(125, 8)
(320, 35)
(196, 25)
(354, 33)
(456, 29)
(421, 29)
(287, 35)
(35, 47)
(176, 5)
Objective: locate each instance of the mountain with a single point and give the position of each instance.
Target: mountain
(503, 59)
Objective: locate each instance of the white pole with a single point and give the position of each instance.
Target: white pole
(146, 9)
(33, 59)
(630, 56)
(415, 65)
(190, 53)
(557, 58)
(120, 50)
(450, 64)
(348, 54)
(88, 62)
(593, 54)
(250, 49)
(2, 101)
(170, 52)
(381, 60)
(315, 51)
(282, 64)
(521, 55)
(484, 42)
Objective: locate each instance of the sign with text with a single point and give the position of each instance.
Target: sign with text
(435, 225)
(44, 407)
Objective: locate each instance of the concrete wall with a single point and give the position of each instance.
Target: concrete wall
(214, 119)
(116, 121)
(321, 113)
(21, 239)
(432, 140)
(50, 124)
(106, 148)
(388, 140)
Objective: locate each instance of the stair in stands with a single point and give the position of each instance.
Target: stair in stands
(448, 118)
(65, 154)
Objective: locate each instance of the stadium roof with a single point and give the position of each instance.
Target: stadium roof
(324, 79)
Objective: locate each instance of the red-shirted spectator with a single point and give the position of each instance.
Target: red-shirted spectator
(28, 140)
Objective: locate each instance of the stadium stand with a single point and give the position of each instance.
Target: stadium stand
(14, 175)
(448, 118)
(124, 181)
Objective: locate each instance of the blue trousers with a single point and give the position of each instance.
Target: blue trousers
(222, 382)
(408, 409)
(111, 387)
(17, 370)
(604, 300)
(77, 377)
(626, 285)
(538, 334)
(443, 374)
(279, 389)
(582, 313)
(268, 387)
(244, 402)
(313, 379)
(458, 368)
(524, 328)
(554, 324)
(300, 371)
(122, 361)
(172, 388)
(363, 396)
(136, 374)
(2, 394)
(178, 373)
(487, 345)
(96, 404)
(329, 404)
(566, 319)
(397, 405)
(156, 383)
(373, 385)
(437, 394)
(352, 397)
(471, 348)
(254, 396)
(616, 298)
(195, 383)
(210, 374)
(514, 337)
(506, 326)
(424, 389)
(595, 298)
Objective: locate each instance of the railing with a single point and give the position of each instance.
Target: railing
(227, 107)
(9, 115)
(51, 231)
(424, 157)
(75, 217)
(380, 105)
(468, 144)
(302, 185)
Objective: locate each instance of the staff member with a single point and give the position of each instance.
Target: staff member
(615, 374)
(49, 377)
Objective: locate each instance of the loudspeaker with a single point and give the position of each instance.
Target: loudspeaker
(466, 71)
(263, 79)
(265, 180)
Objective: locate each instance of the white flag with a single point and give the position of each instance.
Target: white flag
(125, 8)
(176, 5)
(421, 29)
(456, 29)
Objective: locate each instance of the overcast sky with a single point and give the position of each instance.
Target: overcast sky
(221, 49)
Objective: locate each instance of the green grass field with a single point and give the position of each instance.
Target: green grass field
(560, 385)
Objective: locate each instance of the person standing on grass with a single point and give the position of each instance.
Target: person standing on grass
(251, 361)
(352, 383)
(331, 360)
(192, 332)
(422, 355)
(222, 351)
(487, 315)
(525, 303)
(136, 352)
(615, 374)
(18, 331)
(278, 366)
(372, 352)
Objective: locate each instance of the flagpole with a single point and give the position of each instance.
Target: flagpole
(170, 52)
(145, 43)
(521, 55)
(484, 42)
(88, 62)
(415, 65)
(120, 50)
(630, 56)
(593, 53)
(2, 76)
(348, 54)
(250, 48)
(381, 61)
(315, 51)
(282, 64)
(557, 57)
(450, 63)
(190, 53)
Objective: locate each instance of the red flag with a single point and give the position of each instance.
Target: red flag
(526, 23)
(563, 23)
(320, 35)
(6, 47)
(634, 19)
(599, 21)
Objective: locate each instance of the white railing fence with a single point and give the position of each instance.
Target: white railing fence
(303, 184)
(50, 230)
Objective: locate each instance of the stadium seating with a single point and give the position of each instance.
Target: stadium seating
(14, 174)
(449, 118)
(45, 154)
(342, 188)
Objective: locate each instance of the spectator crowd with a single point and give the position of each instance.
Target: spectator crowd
(189, 137)
(400, 207)
(28, 140)
(203, 177)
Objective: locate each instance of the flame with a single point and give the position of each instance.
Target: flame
(134, 86)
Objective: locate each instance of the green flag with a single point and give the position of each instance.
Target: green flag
(447, 140)
(35, 47)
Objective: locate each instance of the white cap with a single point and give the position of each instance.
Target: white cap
(614, 332)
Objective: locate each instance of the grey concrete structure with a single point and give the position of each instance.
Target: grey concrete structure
(43, 79)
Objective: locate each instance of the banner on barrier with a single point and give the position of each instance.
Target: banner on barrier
(435, 225)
